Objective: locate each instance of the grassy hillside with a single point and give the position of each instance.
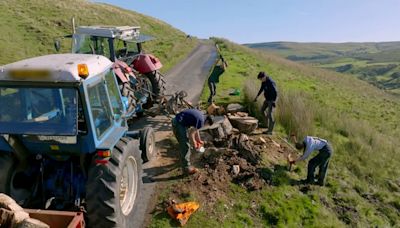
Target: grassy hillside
(30, 27)
(376, 63)
(361, 122)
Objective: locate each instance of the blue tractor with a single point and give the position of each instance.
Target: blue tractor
(64, 139)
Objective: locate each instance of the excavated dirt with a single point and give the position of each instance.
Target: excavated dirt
(240, 162)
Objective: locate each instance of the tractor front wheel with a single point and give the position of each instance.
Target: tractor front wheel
(148, 144)
(113, 188)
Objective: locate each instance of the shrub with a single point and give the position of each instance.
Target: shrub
(293, 111)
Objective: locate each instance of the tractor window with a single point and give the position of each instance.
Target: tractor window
(100, 108)
(115, 98)
(125, 49)
(85, 44)
(38, 111)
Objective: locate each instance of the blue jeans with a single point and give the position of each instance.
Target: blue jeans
(213, 91)
(180, 133)
(269, 115)
(321, 160)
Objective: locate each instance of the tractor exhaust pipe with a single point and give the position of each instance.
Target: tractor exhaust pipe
(73, 25)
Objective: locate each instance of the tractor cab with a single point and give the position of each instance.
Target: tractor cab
(69, 99)
(64, 139)
(137, 73)
(116, 43)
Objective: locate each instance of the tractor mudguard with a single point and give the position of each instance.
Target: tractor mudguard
(123, 71)
(146, 63)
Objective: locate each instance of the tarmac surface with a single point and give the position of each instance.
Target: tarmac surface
(189, 75)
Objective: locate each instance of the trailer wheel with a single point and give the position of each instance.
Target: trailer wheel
(157, 83)
(6, 169)
(148, 144)
(113, 189)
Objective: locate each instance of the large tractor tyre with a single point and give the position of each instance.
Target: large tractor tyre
(148, 144)
(157, 82)
(6, 169)
(113, 189)
(128, 92)
(148, 90)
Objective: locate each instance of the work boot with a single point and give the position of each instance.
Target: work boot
(306, 182)
(191, 170)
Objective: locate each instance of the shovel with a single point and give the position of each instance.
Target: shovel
(289, 159)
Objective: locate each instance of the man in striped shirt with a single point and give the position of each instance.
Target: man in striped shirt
(321, 160)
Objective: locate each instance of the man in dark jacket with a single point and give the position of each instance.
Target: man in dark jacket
(189, 121)
(268, 86)
(218, 70)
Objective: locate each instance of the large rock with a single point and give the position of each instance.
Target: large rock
(215, 110)
(32, 223)
(10, 207)
(13, 215)
(220, 129)
(233, 108)
(8, 203)
(245, 124)
(6, 218)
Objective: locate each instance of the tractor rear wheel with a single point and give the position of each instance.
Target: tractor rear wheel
(157, 83)
(113, 189)
(148, 87)
(128, 92)
(6, 169)
(148, 144)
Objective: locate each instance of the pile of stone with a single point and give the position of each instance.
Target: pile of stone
(232, 154)
(233, 120)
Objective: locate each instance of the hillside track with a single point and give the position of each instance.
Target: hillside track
(192, 72)
(189, 75)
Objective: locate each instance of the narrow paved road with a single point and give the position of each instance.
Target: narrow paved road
(189, 75)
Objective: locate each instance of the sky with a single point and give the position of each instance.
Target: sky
(254, 21)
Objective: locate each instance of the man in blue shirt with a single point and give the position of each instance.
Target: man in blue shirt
(189, 120)
(268, 86)
(321, 160)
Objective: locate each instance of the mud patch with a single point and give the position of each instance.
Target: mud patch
(347, 213)
(241, 162)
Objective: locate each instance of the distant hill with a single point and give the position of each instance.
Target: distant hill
(28, 28)
(376, 63)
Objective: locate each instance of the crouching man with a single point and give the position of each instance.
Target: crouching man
(321, 160)
(186, 125)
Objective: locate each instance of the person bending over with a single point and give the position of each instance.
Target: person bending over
(186, 125)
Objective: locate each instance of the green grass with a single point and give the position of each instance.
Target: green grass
(368, 60)
(30, 27)
(361, 122)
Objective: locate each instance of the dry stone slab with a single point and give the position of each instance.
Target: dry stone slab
(244, 124)
(233, 108)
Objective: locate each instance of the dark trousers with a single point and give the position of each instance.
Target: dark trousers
(268, 110)
(321, 160)
(180, 133)
(213, 91)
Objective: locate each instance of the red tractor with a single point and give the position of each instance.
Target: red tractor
(138, 73)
